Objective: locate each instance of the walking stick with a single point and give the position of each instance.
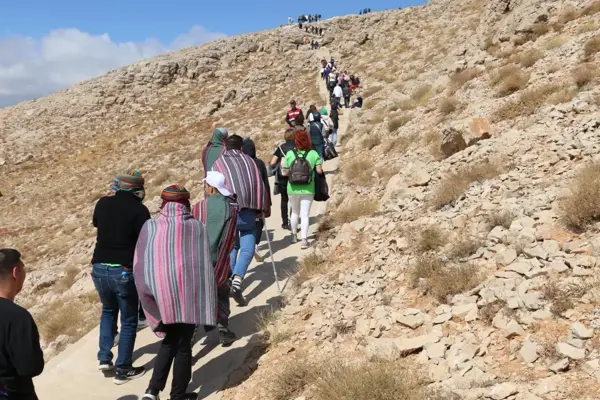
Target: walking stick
(272, 258)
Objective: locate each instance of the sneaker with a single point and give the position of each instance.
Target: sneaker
(294, 238)
(151, 395)
(124, 377)
(226, 337)
(257, 256)
(116, 341)
(105, 366)
(285, 227)
(304, 245)
(238, 296)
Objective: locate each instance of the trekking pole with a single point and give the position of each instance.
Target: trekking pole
(272, 258)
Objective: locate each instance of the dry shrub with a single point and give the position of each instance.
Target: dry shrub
(499, 218)
(433, 141)
(267, 323)
(448, 105)
(421, 94)
(589, 26)
(560, 298)
(398, 122)
(67, 281)
(464, 245)
(564, 95)
(584, 74)
(311, 265)
(556, 42)
(371, 91)
(406, 105)
(60, 318)
(530, 57)
(371, 104)
(509, 79)
(592, 46)
(159, 178)
(591, 9)
(292, 378)
(429, 238)
(581, 206)
(597, 99)
(442, 279)
(371, 141)
(489, 311)
(399, 144)
(567, 15)
(358, 171)
(539, 30)
(353, 210)
(459, 79)
(374, 380)
(454, 184)
(527, 103)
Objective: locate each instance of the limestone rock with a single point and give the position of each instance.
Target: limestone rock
(580, 331)
(566, 350)
(411, 321)
(560, 366)
(502, 391)
(452, 142)
(529, 352)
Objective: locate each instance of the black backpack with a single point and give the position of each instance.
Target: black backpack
(300, 170)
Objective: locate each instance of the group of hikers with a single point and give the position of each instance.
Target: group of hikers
(177, 271)
(341, 85)
(364, 11)
(314, 30)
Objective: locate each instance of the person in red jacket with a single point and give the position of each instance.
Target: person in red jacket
(293, 113)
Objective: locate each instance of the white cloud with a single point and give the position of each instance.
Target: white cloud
(30, 68)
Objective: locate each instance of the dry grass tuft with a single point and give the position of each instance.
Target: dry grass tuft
(60, 318)
(404, 105)
(292, 378)
(448, 105)
(556, 42)
(358, 171)
(311, 265)
(567, 15)
(489, 311)
(421, 94)
(399, 144)
(433, 141)
(455, 183)
(266, 322)
(509, 79)
(353, 210)
(528, 102)
(592, 46)
(442, 279)
(375, 380)
(591, 9)
(584, 74)
(499, 218)
(67, 281)
(398, 122)
(560, 298)
(371, 141)
(429, 238)
(582, 206)
(371, 91)
(529, 58)
(459, 79)
(464, 245)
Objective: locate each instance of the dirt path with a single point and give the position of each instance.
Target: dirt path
(73, 374)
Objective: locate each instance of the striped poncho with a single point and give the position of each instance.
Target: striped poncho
(173, 271)
(243, 178)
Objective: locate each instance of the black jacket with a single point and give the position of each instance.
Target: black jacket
(21, 357)
(119, 220)
(250, 149)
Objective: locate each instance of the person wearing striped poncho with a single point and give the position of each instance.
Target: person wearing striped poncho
(176, 284)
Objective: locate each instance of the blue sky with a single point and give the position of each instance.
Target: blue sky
(48, 45)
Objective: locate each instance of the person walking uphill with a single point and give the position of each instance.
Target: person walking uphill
(282, 181)
(176, 282)
(293, 113)
(300, 166)
(119, 220)
(21, 357)
(214, 149)
(316, 131)
(249, 149)
(218, 213)
(242, 177)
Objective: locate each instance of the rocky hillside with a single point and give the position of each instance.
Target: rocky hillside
(466, 250)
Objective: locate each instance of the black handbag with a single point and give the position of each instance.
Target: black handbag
(330, 152)
(321, 188)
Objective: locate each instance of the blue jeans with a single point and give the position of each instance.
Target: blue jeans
(243, 251)
(117, 292)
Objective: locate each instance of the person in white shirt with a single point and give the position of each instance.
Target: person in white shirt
(337, 96)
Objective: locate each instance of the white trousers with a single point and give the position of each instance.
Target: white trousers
(301, 210)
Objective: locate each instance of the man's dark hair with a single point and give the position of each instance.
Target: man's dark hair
(9, 258)
(234, 142)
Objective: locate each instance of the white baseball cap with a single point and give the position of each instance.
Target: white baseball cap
(217, 180)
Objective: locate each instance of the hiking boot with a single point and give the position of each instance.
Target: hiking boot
(304, 245)
(285, 226)
(257, 256)
(294, 238)
(238, 296)
(151, 395)
(126, 376)
(105, 366)
(116, 341)
(226, 337)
